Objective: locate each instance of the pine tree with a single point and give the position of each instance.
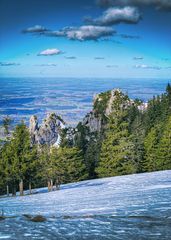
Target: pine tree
(20, 149)
(151, 146)
(164, 148)
(168, 92)
(138, 134)
(117, 155)
(6, 166)
(91, 157)
(45, 169)
(68, 164)
(32, 166)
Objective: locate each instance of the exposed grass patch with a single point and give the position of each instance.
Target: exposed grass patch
(37, 218)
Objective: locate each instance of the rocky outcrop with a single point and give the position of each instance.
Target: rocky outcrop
(102, 108)
(93, 122)
(103, 105)
(48, 132)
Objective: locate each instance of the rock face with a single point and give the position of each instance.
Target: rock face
(103, 104)
(48, 132)
(93, 122)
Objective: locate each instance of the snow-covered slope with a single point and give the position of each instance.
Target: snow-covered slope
(127, 207)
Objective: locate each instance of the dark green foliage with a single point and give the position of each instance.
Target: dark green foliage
(130, 140)
(117, 152)
(80, 139)
(67, 164)
(91, 156)
(164, 148)
(137, 138)
(18, 159)
(35, 166)
(151, 145)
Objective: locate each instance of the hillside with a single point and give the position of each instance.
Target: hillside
(125, 207)
(119, 136)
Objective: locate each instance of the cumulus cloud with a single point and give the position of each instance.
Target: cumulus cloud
(7, 64)
(115, 15)
(158, 4)
(144, 66)
(83, 33)
(49, 52)
(35, 29)
(138, 58)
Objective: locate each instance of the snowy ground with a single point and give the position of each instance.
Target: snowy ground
(127, 207)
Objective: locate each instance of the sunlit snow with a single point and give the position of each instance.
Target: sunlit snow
(127, 207)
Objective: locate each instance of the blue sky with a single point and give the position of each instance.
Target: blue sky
(91, 38)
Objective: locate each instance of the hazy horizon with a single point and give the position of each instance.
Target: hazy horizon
(71, 98)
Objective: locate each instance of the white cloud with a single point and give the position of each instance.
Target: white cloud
(50, 52)
(158, 4)
(138, 58)
(116, 15)
(99, 58)
(144, 66)
(47, 65)
(6, 64)
(87, 32)
(35, 29)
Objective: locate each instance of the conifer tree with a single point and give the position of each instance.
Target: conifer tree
(164, 148)
(20, 149)
(151, 146)
(117, 155)
(32, 167)
(92, 156)
(68, 164)
(6, 166)
(44, 171)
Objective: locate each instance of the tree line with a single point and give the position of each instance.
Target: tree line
(23, 166)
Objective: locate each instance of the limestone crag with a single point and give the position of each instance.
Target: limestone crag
(48, 132)
(93, 122)
(95, 119)
(104, 105)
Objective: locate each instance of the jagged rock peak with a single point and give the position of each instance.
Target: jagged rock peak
(33, 123)
(103, 106)
(48, 132)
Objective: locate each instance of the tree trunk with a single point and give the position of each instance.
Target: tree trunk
(14, 191)
(57, 184)
(21, 188)
(7, 190)
(51, 185)
(30, 188)
(49, 188)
